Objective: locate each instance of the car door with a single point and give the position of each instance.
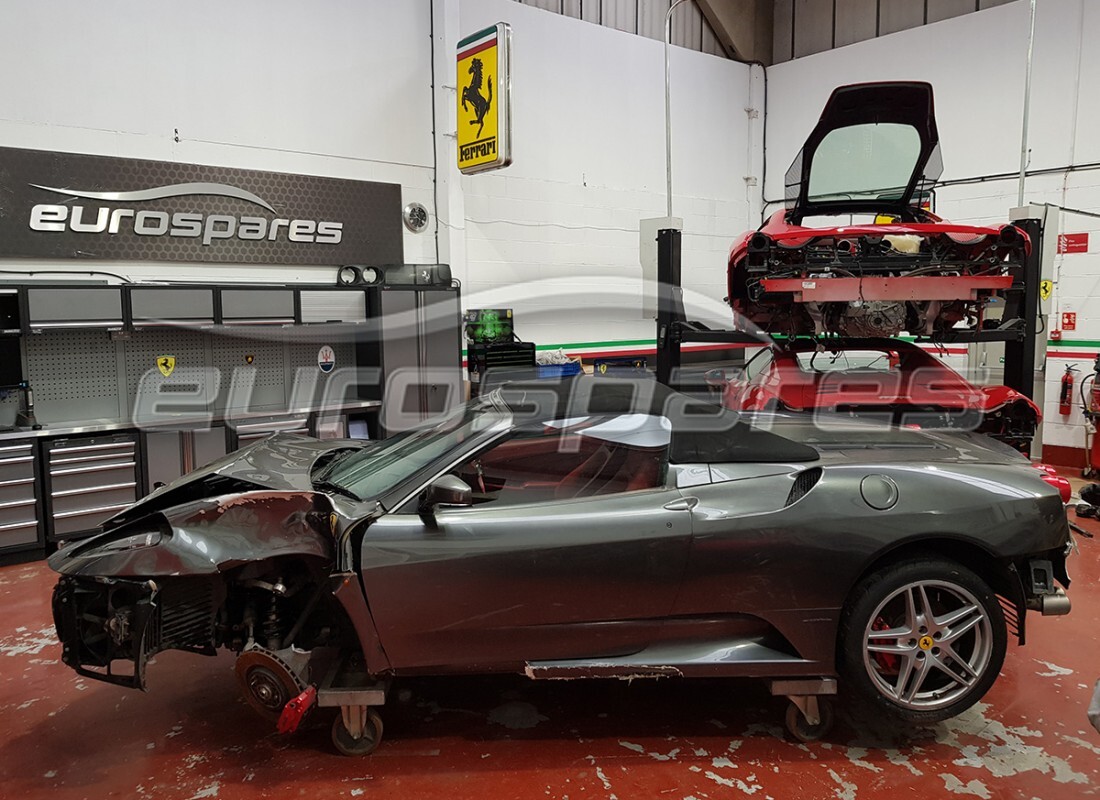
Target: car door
(768, 571)
(560, 559)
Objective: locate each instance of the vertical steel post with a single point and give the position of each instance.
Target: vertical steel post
(1019, 372)
(1027, 107)
(668, 108)
(670, 304)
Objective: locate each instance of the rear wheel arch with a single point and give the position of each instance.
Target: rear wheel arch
(1000, 574)
(970, 554)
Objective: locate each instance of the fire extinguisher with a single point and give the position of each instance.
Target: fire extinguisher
(1090, 405)
(1092, 408)
(1065, 396)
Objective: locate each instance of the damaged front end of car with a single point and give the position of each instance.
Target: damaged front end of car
(221, 571)
(244, 554)
(111, 619)
(103, 623)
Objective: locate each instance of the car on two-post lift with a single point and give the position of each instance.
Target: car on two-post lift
(855, 259)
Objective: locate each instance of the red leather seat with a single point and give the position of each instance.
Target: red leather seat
(609, 471)
(583, 476)
(646, 473)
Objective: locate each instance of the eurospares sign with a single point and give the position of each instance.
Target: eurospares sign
(66, 205)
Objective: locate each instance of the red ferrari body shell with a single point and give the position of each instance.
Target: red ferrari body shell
(793, 236)
(872, 156)
(915, 381)
(923, 276)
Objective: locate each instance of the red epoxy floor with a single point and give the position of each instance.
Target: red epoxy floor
(190, 737)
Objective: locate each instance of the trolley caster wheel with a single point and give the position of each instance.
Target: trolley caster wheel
(371, 730)
(800, 728)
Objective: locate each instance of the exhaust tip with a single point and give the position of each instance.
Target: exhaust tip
(1009, 235)
(1054, 605)
(759, 242)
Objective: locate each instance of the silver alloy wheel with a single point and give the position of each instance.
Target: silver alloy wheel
(939, 639)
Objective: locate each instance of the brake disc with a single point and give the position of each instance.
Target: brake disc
(267, 681)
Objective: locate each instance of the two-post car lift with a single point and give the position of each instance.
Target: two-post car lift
(810, 715)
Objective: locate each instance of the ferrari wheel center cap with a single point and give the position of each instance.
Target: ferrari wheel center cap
(925, 643)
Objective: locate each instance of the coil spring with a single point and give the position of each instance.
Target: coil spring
(273, 624)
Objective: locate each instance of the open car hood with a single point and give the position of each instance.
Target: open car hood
(874, 150)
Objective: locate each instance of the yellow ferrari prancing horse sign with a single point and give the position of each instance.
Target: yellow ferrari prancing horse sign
(484, 100)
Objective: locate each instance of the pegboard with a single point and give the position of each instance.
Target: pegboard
(74, 375)
(145, 347)
(268, 366)
(302, 354)
(80, 375)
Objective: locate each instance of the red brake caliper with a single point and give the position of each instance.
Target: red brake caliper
(887, 663)
(295, 709)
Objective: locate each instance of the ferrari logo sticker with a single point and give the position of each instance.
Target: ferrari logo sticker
(166, 365)
(484, 89)
(1046, 289)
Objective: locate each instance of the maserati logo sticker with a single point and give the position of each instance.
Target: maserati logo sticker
(326, 359)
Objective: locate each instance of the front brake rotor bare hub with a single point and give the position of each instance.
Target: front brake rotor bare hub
(267, 681)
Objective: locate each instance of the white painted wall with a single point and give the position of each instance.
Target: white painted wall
(976, 63)
(336, 88)
(345, 89)
(590, 162)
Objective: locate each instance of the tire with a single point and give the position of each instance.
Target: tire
(931, 670)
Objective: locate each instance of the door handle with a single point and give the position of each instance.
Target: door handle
(683, 504)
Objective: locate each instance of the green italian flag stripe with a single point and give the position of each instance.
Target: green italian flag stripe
(650, 343)
(1073, 343)
(485, 33)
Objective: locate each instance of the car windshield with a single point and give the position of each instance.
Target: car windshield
(369, 474)
(864, 161)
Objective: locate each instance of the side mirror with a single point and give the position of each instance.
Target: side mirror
(446, 491)
(716, 378)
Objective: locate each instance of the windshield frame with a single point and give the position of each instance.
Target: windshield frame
(907, 103)
(400, 492)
